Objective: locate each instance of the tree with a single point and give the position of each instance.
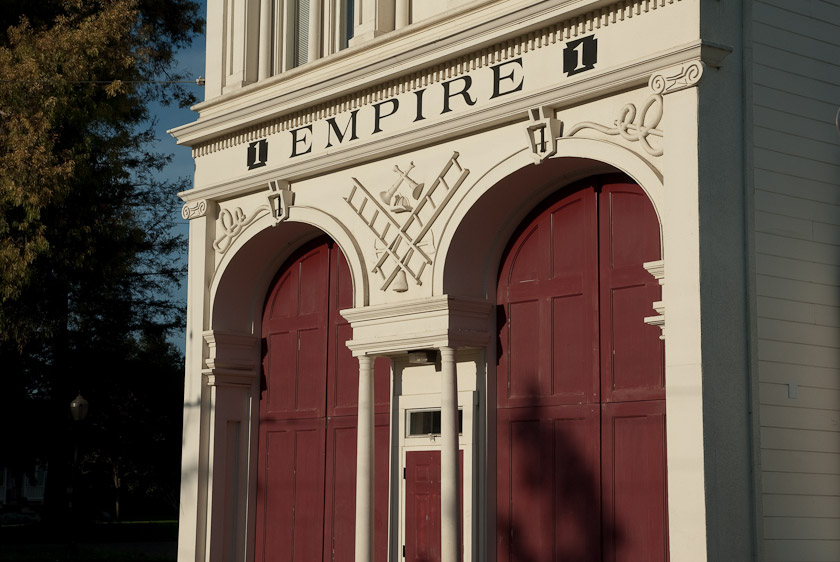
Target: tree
(88, 260)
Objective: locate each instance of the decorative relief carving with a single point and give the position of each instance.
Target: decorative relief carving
(405, 247)
(543, 130)
(232, 224)
(677, 78)
(629, 128)
(194, 210)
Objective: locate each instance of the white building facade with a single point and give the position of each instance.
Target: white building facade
(514, 280)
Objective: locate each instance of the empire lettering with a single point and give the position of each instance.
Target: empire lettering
(396, 113)
(455, 94)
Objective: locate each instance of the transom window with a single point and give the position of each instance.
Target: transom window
(422, 423)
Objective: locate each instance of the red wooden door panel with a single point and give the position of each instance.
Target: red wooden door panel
(307, 445)
(340, 519)
(587, 481)
(634, 483)
(295, 327)
(548, 484)
(290, 490)
(632, 366)
(549, 299)
(422, 505)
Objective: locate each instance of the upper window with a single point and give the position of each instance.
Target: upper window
(263, 38)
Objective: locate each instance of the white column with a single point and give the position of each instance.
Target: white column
(265, 39)
(402, 15)
(364, 463)
(314, 50)
(450, 504)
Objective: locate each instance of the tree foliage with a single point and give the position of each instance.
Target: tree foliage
(88, 258)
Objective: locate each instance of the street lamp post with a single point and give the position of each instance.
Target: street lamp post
(78, 410)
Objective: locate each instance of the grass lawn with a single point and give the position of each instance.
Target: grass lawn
(131, 541)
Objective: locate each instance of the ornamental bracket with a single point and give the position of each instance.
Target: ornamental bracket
(543, 130)
(280, 199)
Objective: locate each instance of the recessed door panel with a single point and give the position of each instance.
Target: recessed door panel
(306, 485)
(635, 494)
(582, 481)
(292, 492)
(530, 377)
(549, 483)
(632, 366)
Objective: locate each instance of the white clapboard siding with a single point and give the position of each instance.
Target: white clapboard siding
(801, 484)
(800, 440)
(795, 90)
(800, 418)
(801, 528)
(803, 550)
(784, 267)
(784, 373)
(800, 396)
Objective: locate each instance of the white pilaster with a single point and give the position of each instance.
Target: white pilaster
(450, 505)
(192, 516)
(683, 347)
(365, 463)
(314, 47)
(265, 39)
(372, 19)
(402, 15)
(231, 377)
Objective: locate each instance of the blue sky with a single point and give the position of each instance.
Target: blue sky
(191, 62)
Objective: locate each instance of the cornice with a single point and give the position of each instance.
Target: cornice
(398, 62)
(383, 313)
(426, 340)
(419, 324)
(634, 74)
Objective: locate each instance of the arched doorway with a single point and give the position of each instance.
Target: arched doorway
(307, 416)
(580, 382)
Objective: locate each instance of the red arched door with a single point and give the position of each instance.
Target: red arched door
(306, 484)
(581, 394)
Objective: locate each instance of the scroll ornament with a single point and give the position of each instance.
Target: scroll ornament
(629, 127)
(233, 222)
(675, 79)
(194, 210)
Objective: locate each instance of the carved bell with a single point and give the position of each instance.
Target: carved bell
(400, 284)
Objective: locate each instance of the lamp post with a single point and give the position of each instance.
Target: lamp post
(78, 410)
